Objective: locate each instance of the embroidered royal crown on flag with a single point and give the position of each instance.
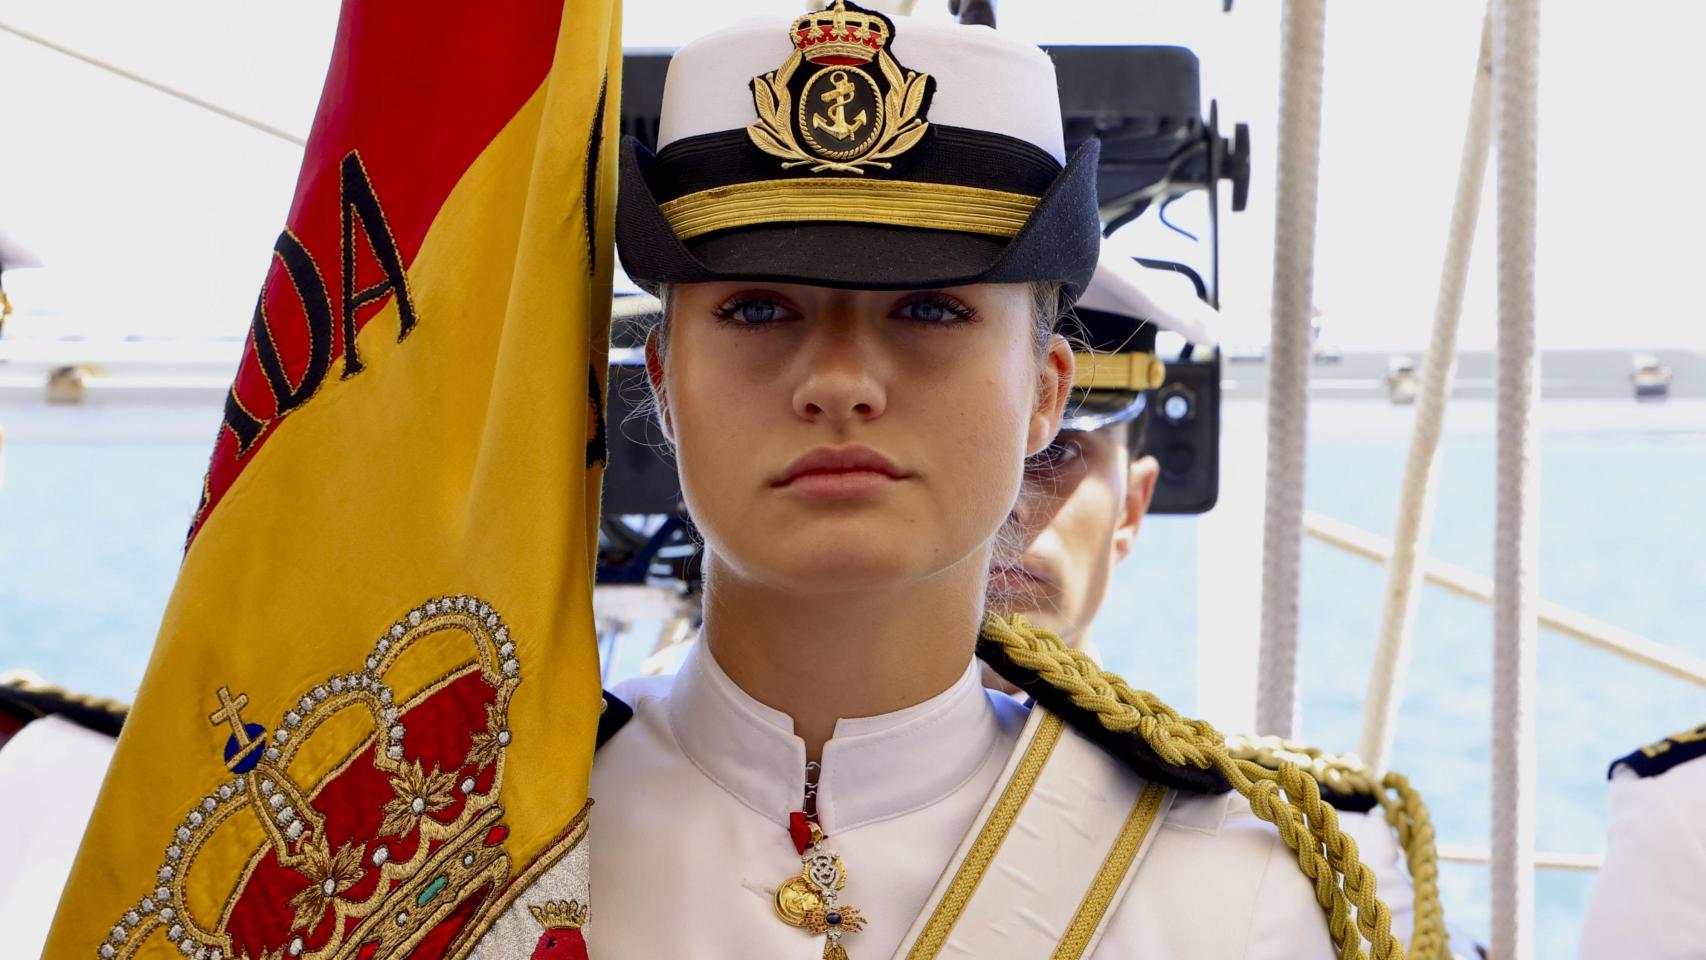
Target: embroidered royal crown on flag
(368, 722)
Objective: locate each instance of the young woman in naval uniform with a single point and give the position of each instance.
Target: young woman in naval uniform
(863, 231)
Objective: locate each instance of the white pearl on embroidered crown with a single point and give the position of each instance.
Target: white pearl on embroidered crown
(395, 752)
(173, 852)
(418, 805)
(511, 667)
(397, 630)
(329, 886)
(492, 620)
(468, 784)
(503, 738)
(175, 934)
(273, 754)
(502, 634)
(337, 684)
(209, 804)
(107, 951)
(321, 692)
(118, 934)
(276, 800)
(183, 834)
(296, 947)
(225, 791)
(397, 731)
(132, 917)
(168, 915)
(294, 831)
(507, 651)
(146, 906)
(372, 663)
(403, 919)
(380, 855)
(467, 859)
(195, 819)
(306, 703)
(164, 873)
(432, 608)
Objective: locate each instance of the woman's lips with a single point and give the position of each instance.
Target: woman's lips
(839, 484)
(838, 473)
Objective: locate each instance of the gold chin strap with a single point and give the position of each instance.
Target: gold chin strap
(1287, 797)
(1118, 371)
(1405, 811)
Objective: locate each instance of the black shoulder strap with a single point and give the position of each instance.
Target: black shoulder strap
(1655, 758)
(1128, 747)
(25, 701)
(612, 715)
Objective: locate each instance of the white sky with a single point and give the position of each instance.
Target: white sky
(157, 218)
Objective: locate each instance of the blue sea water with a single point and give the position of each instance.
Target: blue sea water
(90, 535)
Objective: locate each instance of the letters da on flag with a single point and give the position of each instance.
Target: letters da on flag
(299, 329)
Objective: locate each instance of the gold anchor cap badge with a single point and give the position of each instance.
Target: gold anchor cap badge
(858, 110)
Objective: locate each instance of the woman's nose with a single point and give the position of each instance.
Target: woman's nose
(843, 377)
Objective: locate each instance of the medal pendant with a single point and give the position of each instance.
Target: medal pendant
(795, 899)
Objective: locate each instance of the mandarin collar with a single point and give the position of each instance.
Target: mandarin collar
(874, 768)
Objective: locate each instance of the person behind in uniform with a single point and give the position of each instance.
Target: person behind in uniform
(863, 232)
(1085, 498)
(1646, 901)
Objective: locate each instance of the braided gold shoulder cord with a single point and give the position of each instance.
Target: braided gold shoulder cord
(1287, 797)
(1404, 810)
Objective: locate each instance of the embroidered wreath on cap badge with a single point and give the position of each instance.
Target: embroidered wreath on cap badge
(842, 117)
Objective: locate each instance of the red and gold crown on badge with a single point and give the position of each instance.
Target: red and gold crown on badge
(843, 117)
(364, 823)
(841, 36)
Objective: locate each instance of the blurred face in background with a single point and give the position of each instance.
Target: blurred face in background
(1077, 517)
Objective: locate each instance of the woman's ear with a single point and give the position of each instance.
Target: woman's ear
(1054, 387)
(660, 393)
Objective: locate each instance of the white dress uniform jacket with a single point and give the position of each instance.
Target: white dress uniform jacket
(50, 775)
(1647, 901)
(690, 841)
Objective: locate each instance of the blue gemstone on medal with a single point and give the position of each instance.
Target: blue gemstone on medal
(834, 919)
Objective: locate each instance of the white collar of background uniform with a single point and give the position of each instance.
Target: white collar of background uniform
(874, 768)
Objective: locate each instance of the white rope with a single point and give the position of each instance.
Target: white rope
(156, 85)
(1516, 29)
(1421, 468)
(1288, 360)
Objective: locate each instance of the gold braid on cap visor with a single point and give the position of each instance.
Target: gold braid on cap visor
(900, 203)
(1118, 371)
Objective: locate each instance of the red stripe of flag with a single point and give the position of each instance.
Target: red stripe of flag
(382, 147)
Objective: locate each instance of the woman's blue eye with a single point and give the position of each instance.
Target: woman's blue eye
(756, 311)
(752, 311)
(937, 309)
(926, 311)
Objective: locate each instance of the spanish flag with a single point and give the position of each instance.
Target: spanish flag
(368, 721)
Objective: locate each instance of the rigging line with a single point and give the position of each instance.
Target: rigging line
(155, 85)
(1516, 43)
(1404, 571)
(1303, 38)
